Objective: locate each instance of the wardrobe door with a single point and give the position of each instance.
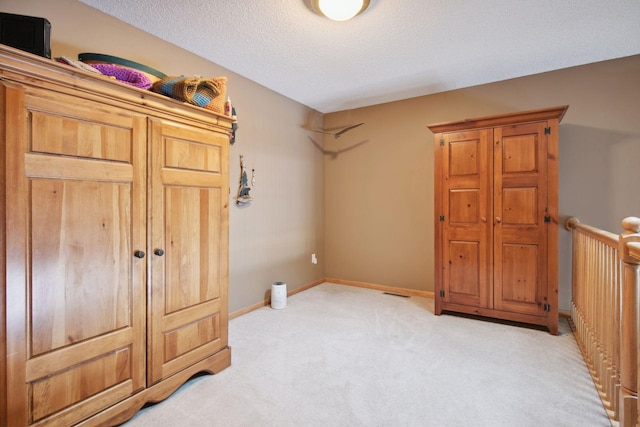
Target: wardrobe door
(520, 206)
(188, 220)
(75, 291)
(465, 221)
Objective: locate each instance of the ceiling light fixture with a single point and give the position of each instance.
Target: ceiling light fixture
(340, 10)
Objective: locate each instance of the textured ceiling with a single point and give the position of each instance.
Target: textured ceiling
(397, 49)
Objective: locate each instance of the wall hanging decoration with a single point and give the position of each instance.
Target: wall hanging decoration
(243, 196)
(234, 126)
(336, 133)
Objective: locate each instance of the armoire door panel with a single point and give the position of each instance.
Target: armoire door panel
(189, 155)
(464, 156)
(188, 214)
(520, 204)
(69, 126)
(61, 390)
(465, 273)
(192, 274)
(466, 237)
(519, 273)
(80, 183)
(520, 151)
(191, 336)
(464, 206)
(81, 251)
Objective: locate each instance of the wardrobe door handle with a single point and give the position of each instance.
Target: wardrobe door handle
(484, 219)
(158, 252)
(498, 219)
(139, 254)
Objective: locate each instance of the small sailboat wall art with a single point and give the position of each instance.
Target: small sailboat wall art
(243, 196)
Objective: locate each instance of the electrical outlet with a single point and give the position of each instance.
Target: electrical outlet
(314, 259)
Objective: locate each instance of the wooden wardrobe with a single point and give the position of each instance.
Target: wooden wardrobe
(496, 216)
(114, 235)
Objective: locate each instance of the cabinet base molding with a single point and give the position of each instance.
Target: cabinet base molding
(126, 409)
(501, 315)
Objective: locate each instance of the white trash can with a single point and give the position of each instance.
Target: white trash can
(278, 295)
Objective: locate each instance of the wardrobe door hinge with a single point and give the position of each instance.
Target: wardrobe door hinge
(441, 218)
(442, 294)
(547, 131)
(441, 142)
(547, 308)
(547, 219)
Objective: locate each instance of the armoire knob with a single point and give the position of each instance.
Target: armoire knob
(158, 252)
(139, 254)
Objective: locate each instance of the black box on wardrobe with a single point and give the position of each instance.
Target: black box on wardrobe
(26, 33)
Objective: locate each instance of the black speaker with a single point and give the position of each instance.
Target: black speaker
(26, 33)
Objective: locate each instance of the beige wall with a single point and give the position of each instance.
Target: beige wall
(379, 188)
(271, 240)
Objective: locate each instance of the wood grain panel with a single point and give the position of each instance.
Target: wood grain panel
(191, 336)
(187, 178)
(464, 157)
(71, 136)
(520, 153)
(82, 292)
(13, 124)
(464, 206)
(464, 274)
(61, 390)
(200, 311)
(465, 235)
(520, 206)
(519, 273)
(189, 222)
(183, 154)
(521, 235)
(72, 355)
(76, 127)
(81, 239)
(47, 166)
(192, 274)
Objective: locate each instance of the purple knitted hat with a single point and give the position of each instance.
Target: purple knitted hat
(125, 75)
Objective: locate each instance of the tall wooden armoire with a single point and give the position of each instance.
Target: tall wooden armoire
(113, 244)
(496, 216)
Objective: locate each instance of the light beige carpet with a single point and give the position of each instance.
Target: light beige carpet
(346, 356)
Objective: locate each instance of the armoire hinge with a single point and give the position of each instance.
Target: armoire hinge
(547, 219)
(547, 307)
(441, 218)
(442, 293)
(442, 142)
(547, 131)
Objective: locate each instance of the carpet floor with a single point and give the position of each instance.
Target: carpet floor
(346, 356)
